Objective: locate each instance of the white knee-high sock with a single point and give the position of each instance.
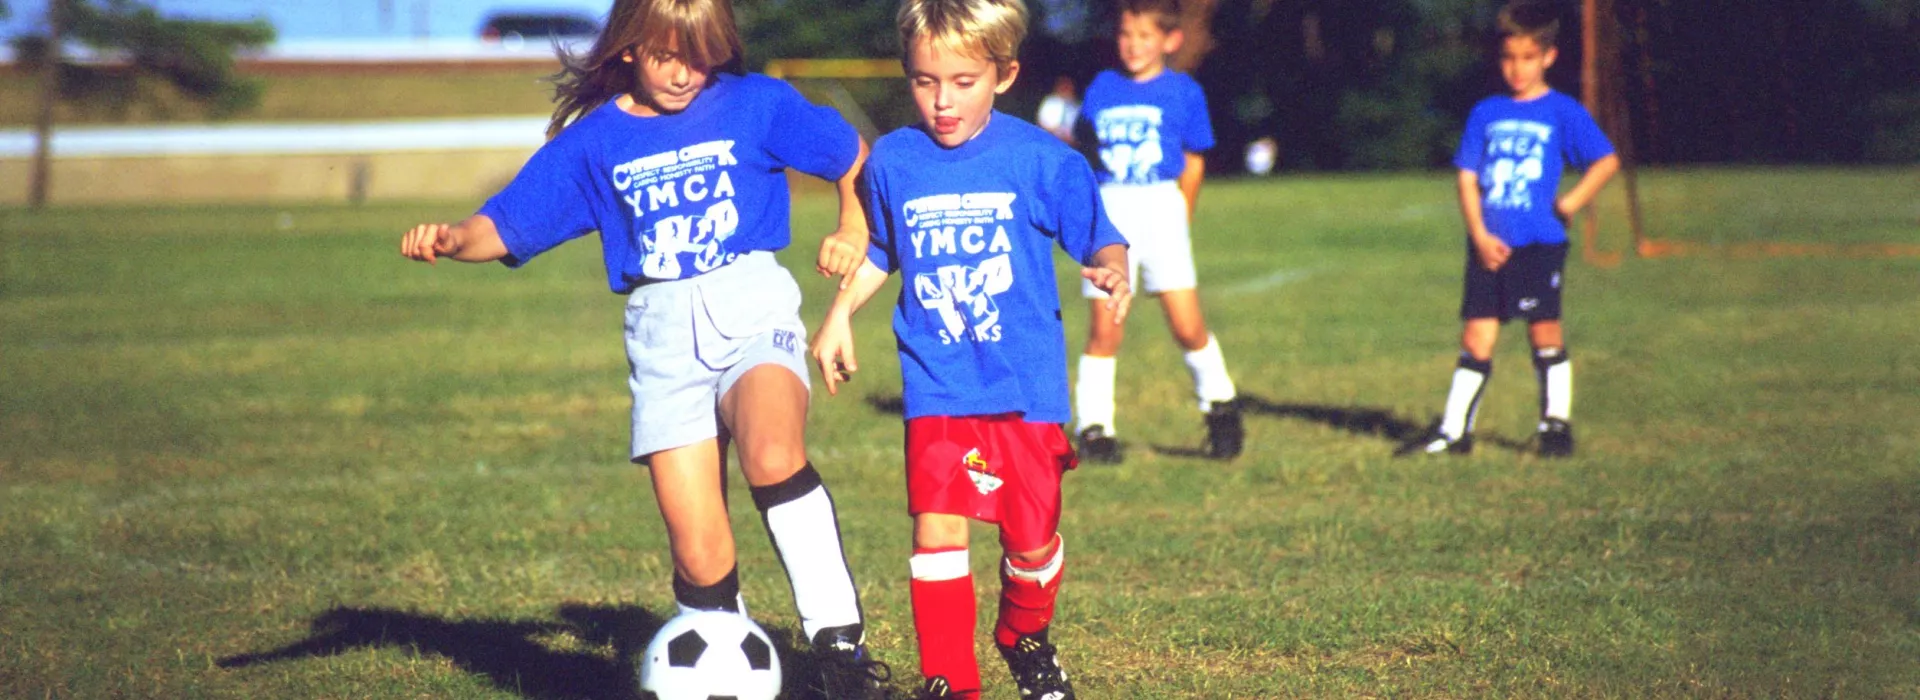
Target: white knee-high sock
(800, 519)
(1555, 370)
(1209, 370)
(1463, 400)
(1093, 393)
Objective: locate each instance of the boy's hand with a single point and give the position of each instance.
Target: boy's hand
(1493, 252)
(841, 254)
(427, 242)
(833, 350)
(1563, 209)
(1113, 281)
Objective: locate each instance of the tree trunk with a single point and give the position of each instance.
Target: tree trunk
(49, 95)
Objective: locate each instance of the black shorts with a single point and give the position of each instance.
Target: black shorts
(1528, 286)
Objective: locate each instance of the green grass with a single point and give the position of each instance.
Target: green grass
(241, 461)
(1783, 205)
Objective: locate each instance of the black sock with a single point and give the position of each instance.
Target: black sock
(722, 595)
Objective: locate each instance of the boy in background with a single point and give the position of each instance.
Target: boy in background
(1150, 124)
(1510, 160)
(966, 206)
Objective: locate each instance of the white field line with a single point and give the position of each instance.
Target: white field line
(1264, 283)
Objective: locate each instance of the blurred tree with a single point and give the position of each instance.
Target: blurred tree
(1340, 85)
(816, 29)
(1806, 81)
(137, 50)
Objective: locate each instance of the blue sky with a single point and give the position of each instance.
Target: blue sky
(337, 19)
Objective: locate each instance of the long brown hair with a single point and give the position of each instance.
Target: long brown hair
(708, 39)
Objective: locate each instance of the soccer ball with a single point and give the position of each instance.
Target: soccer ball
(705, 654)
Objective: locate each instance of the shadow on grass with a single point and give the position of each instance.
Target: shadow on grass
(1358, 420)
(890, 404)
(512, 653)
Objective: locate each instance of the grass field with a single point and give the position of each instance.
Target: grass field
(241, 461)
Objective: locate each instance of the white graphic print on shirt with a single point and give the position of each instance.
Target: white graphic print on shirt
(673, 179)
(1516, 158)
(956, 226)
(1131, 135)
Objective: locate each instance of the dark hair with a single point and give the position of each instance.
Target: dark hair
(1538, 21)
(1165, 13)
(708, 38)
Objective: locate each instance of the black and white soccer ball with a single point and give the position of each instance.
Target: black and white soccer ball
(708, 655)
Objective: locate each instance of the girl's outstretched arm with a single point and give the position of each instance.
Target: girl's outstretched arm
(842, 252)
(474, 239)
(833, 342)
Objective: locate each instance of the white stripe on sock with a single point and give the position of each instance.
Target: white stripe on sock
(1044, 574)
(940, 566)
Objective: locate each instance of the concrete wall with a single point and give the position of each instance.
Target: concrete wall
(268, 178)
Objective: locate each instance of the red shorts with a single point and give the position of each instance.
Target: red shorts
(997, 469)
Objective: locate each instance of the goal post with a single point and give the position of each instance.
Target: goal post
(831, 76)
(1750, 197)
(1600, 87)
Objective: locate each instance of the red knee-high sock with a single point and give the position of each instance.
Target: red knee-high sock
(943, 618)
(1027, 596)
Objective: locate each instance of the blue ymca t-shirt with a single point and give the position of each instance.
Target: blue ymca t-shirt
(971, 231)
(1145, 129)
(674, 195)
(1519, 150)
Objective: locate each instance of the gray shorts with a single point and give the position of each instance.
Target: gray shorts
(689, 340)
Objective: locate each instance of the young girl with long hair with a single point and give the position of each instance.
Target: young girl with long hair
(677, 157)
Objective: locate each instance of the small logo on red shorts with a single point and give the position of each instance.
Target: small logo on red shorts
(985, 477)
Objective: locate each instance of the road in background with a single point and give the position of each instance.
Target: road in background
(338, 19)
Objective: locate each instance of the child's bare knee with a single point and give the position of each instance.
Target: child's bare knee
(1032, 558)
(1191, 336)
(771, 459)
(1546, 334)
(939, 531)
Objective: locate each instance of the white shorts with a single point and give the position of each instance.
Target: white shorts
(689, 340)
(1154, 220)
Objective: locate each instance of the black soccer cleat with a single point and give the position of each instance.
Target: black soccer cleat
(1097, 446)
(1226, 434)
(1436, 442)
(936, 688)
(1036, 668)
(845, 668)
(1556, 438)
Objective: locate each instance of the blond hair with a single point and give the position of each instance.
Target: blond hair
(989, 29)
(709, 40)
